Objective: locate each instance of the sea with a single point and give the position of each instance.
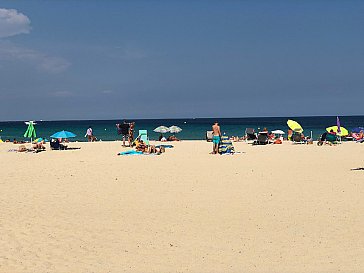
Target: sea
(192, 128)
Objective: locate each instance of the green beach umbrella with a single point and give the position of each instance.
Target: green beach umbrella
(30, 132)
(343, 131)
(295, 126)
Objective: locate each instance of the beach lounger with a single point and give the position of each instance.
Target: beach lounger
(209, 136)
(262, 139)
(297, 139)
(250, 134)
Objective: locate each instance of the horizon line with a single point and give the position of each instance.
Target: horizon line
(182, 118)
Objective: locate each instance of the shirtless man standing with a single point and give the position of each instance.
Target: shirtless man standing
(216, 137)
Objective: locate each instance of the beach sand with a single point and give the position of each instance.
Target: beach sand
(278, 208)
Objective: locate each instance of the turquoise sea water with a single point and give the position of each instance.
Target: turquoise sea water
(192, 128)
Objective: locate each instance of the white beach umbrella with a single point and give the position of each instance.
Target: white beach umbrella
(278, 132)
(175, 129)
(161, 129)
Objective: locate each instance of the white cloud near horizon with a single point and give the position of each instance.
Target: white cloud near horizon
(41, 61)
(62, 94)
(13, 23)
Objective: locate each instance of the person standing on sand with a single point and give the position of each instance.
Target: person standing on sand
(216, 137)
(131, 133)
(89, 134)
(125, 132)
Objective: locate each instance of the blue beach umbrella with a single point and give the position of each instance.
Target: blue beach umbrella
(357, 130)
(63, 134)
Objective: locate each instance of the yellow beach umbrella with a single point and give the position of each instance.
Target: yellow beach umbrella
(344, 132)
(295, 126)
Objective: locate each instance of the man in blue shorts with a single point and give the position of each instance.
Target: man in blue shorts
(216, 137)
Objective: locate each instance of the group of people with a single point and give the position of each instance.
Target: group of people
(126, 130)
(170, 138)
(140, 146)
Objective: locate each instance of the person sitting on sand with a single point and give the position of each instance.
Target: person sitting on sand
(154, 150)
(265, 130)
(172, 138)
(162, 138)
(332, 132)
(141, 147)
(22, 148)
(39, 145)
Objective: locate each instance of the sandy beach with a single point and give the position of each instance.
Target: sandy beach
(277, 208)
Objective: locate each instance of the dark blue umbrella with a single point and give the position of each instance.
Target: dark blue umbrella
(357, 129)
(63, 134)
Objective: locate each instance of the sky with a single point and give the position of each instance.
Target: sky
(179, 59)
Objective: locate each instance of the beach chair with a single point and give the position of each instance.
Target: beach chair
(143, 135)
(226, 146)
(56, 145)
(331, 139)
(250, 134)
(262, 139)
(209, 135)
(297, 139)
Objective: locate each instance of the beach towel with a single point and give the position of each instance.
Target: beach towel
(130, 152)
(165, 146)
(226, 146)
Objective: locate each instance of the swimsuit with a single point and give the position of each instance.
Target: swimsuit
(216, 139)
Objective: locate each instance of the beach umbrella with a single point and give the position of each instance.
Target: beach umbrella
(175, 129)
(295, 126)
(338, 125)
(30, 132)
(357, 130)
(161, 129)
(278, 132)
(40, 140)
(63, 134)
(343, 131)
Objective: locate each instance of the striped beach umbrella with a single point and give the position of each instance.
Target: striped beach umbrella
(175, 129)
(161, 129)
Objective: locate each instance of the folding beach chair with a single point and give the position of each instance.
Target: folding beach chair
(297, 139)
(143, 135)
(209, 135)
(250, 134)
(262, 139)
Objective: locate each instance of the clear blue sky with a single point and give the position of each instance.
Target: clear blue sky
(166, 59)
